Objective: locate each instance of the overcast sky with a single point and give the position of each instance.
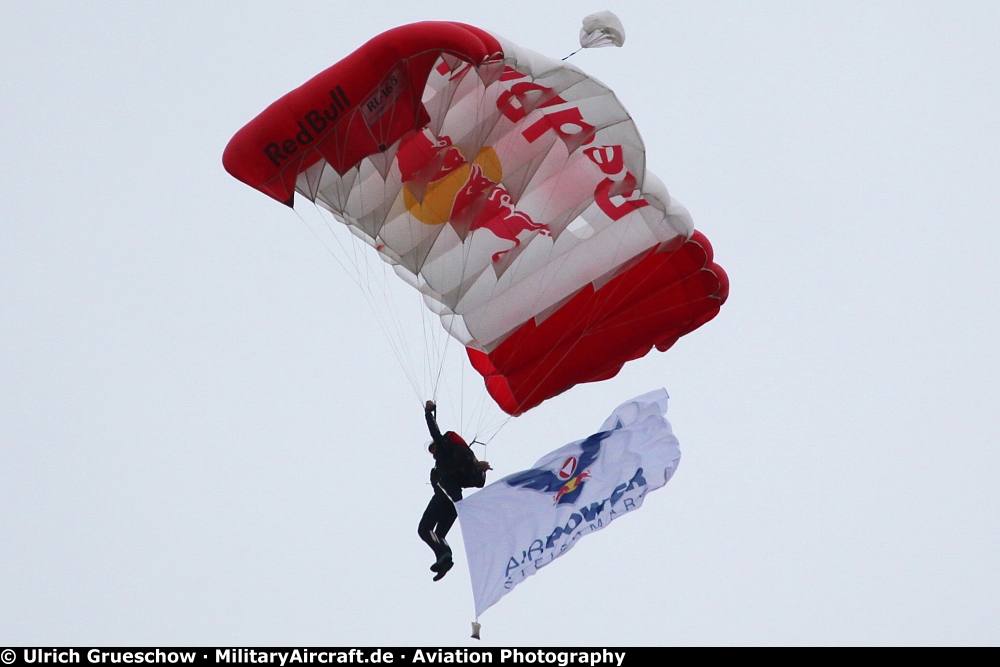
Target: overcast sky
(205, 438)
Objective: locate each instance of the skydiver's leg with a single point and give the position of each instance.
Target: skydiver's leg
(445, 520)
(427, 528)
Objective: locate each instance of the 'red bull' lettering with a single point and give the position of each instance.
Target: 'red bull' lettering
(516, 102)
(611, 161)
(444, 69)
(567, 123)
(526, 96)
(317, 120)
(626, 187)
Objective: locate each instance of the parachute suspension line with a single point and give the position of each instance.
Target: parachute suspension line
(394, 342)
(441, 359)
(486, 411)
(444, 354)
(389, 296)
(430, 362)
(461, 392)
(434, 353)
(548, 273)
(433, 359)
(513, 309)
(480, 413)
(390, 299)
(349, 273)
(397, 342)
(505, 421)
(425, 331)
(389, 309)
(467, 250)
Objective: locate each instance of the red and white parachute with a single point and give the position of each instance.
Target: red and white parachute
(510, 189)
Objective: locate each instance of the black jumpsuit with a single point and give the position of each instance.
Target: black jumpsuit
(440, 513)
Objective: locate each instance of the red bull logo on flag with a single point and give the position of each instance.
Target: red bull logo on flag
(567, 482)
(569, 487)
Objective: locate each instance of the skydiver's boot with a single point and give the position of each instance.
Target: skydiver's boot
(444, 561)
(439, 563)
(443, 555)
(443, 570)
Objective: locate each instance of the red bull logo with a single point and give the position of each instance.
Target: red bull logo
(566, 482)
(571, 481)
(440, 185)
(570, 486)
(501, 217)
(568, 468)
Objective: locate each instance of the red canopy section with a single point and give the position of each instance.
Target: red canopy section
(356, 108)
(669, 292)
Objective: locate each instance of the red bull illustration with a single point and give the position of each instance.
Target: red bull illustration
(570, 486)
(567, 483)
(500, 217)
(440, 185)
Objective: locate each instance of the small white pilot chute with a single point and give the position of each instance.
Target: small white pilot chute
(601, 29)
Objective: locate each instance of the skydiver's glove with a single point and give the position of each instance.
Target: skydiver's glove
(429, 406)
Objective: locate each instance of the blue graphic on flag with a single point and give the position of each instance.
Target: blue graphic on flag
(567, 482)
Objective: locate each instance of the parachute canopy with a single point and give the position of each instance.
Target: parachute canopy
(510, 189)
(600, 30)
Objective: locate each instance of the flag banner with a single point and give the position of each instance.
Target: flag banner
(518, 525)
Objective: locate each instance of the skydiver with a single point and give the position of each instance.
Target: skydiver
(448, 476)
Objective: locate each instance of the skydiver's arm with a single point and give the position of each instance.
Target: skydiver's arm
(430, 411)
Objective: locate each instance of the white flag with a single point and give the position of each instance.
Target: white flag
(520, 524)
